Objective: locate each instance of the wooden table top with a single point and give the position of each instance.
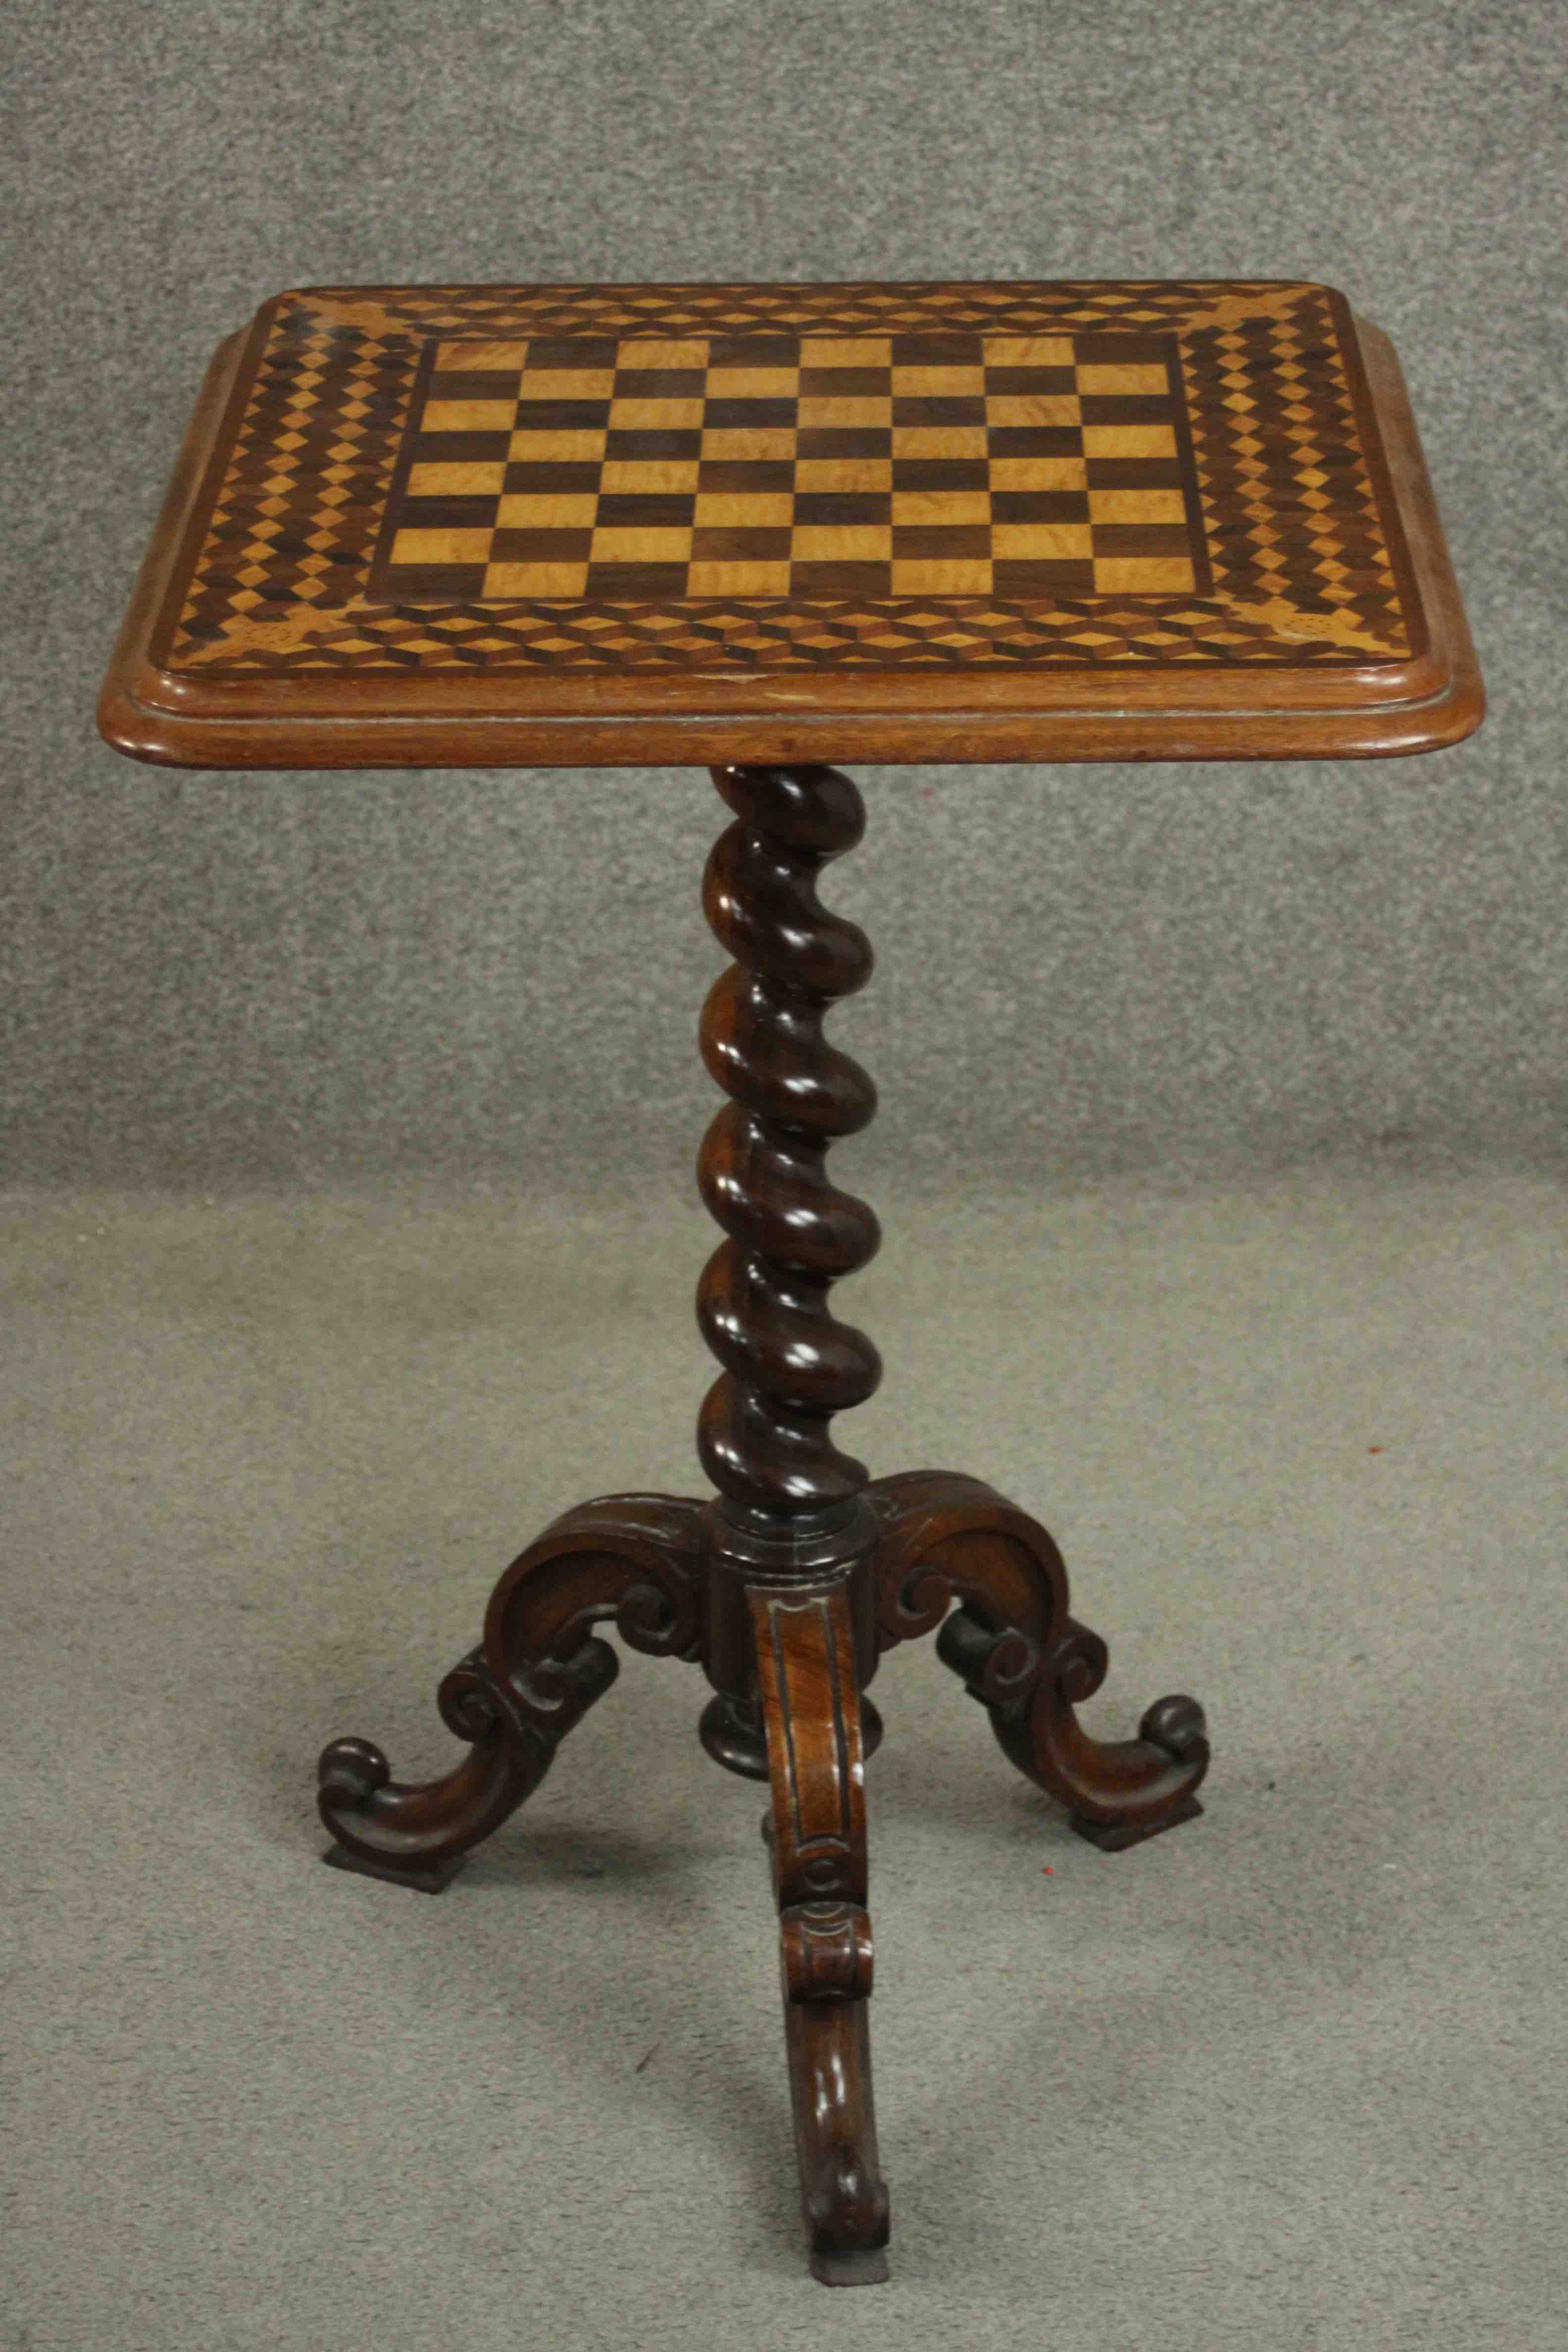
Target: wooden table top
(564, 525)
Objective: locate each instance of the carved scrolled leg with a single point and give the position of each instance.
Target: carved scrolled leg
(806, 1677)
(633, 1560)
(1012, 1641)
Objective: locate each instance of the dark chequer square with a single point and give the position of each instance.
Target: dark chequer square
(555, 469)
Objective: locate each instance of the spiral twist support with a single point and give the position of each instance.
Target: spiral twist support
(788, 1364)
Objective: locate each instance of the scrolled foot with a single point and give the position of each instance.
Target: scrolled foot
(1014, 1643)
(844, 2198)
(1174, 1727)
(352, 1772)
(418, 1831)
(633, 1560)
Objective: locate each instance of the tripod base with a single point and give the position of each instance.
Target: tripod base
(789, 1653)
(788, 1588)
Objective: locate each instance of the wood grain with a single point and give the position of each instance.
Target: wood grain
(947, 1538)
(737, 526)
(633, 1560)
(807, 1680)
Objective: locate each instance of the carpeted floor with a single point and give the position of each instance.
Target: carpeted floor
(1288, 2078)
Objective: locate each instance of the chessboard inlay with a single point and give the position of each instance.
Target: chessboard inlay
(1021, 477)
(645, 468)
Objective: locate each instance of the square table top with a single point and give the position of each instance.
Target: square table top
(605, 525)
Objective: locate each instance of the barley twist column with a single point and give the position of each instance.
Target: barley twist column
(789, 1365)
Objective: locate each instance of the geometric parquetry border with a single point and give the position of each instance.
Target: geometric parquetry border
(1303, 571)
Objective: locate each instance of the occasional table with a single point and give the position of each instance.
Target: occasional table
(761, 528)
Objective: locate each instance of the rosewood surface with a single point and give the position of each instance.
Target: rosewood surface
(466, 526)
(752, 526)
(790, 1581)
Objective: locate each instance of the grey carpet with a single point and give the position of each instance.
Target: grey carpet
(1288, 2078)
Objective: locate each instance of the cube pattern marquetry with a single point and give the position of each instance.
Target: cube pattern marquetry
(731, 479)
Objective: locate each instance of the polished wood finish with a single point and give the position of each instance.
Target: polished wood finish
(789, 1366)
(805, 1673)
(591, 526)
(602, 526)
(789, 1651)
(1011, 1638)
(634, 1561)
(788, 1583)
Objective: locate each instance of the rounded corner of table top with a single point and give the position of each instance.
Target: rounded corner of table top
(1020, 520)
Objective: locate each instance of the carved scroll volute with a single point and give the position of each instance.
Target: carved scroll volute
(806, 1679)
(948, 1538)
(1018, 1649)
(635, 1559)
(825, 1952)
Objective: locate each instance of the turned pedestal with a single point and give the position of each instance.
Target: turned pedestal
(761, 526)
(787, 1585)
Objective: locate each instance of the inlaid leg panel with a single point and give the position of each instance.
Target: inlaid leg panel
(807, 1682)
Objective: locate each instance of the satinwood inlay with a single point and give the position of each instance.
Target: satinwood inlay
(756, 527)
(616, 525)
(1002, 475)
(559, 469)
